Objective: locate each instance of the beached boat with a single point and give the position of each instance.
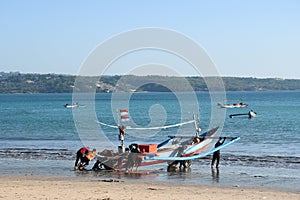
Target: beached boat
(175, 150)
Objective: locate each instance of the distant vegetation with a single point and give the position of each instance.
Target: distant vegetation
(15, 82)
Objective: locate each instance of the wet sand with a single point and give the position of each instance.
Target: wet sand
(28, 187)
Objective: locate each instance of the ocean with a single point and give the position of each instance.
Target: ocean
(39, 136)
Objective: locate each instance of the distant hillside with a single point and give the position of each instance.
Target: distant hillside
(15, 82)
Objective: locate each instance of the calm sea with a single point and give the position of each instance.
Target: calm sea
(38, 131)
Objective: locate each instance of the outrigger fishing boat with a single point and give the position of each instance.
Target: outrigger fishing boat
(251, 114)
(174, 150)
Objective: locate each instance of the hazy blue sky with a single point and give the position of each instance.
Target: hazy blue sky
(243, 38)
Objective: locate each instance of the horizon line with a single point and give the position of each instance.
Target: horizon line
(140, 75)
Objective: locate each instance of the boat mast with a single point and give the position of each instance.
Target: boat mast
(197, 125)
(123, 117)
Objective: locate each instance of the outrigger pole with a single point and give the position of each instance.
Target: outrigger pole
(233, 115)
(250, 114)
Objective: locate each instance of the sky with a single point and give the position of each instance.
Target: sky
(243, 38)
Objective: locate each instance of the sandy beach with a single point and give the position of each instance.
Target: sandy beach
(16, 187)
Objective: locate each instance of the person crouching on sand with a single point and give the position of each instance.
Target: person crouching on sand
(86, 159)
(84, 155)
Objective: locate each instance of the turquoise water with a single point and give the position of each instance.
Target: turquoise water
(38, 128)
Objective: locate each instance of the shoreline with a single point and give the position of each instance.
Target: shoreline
(228, 176)
(29, 187)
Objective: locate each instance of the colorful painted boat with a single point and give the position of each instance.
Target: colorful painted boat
(235, 105)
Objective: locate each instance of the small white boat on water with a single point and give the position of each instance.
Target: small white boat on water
(235, 105)
(74, 105)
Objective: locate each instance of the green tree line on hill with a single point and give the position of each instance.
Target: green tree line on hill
(15, 82)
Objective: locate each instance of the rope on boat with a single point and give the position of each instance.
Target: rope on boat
(111, 126)
(149, 128)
